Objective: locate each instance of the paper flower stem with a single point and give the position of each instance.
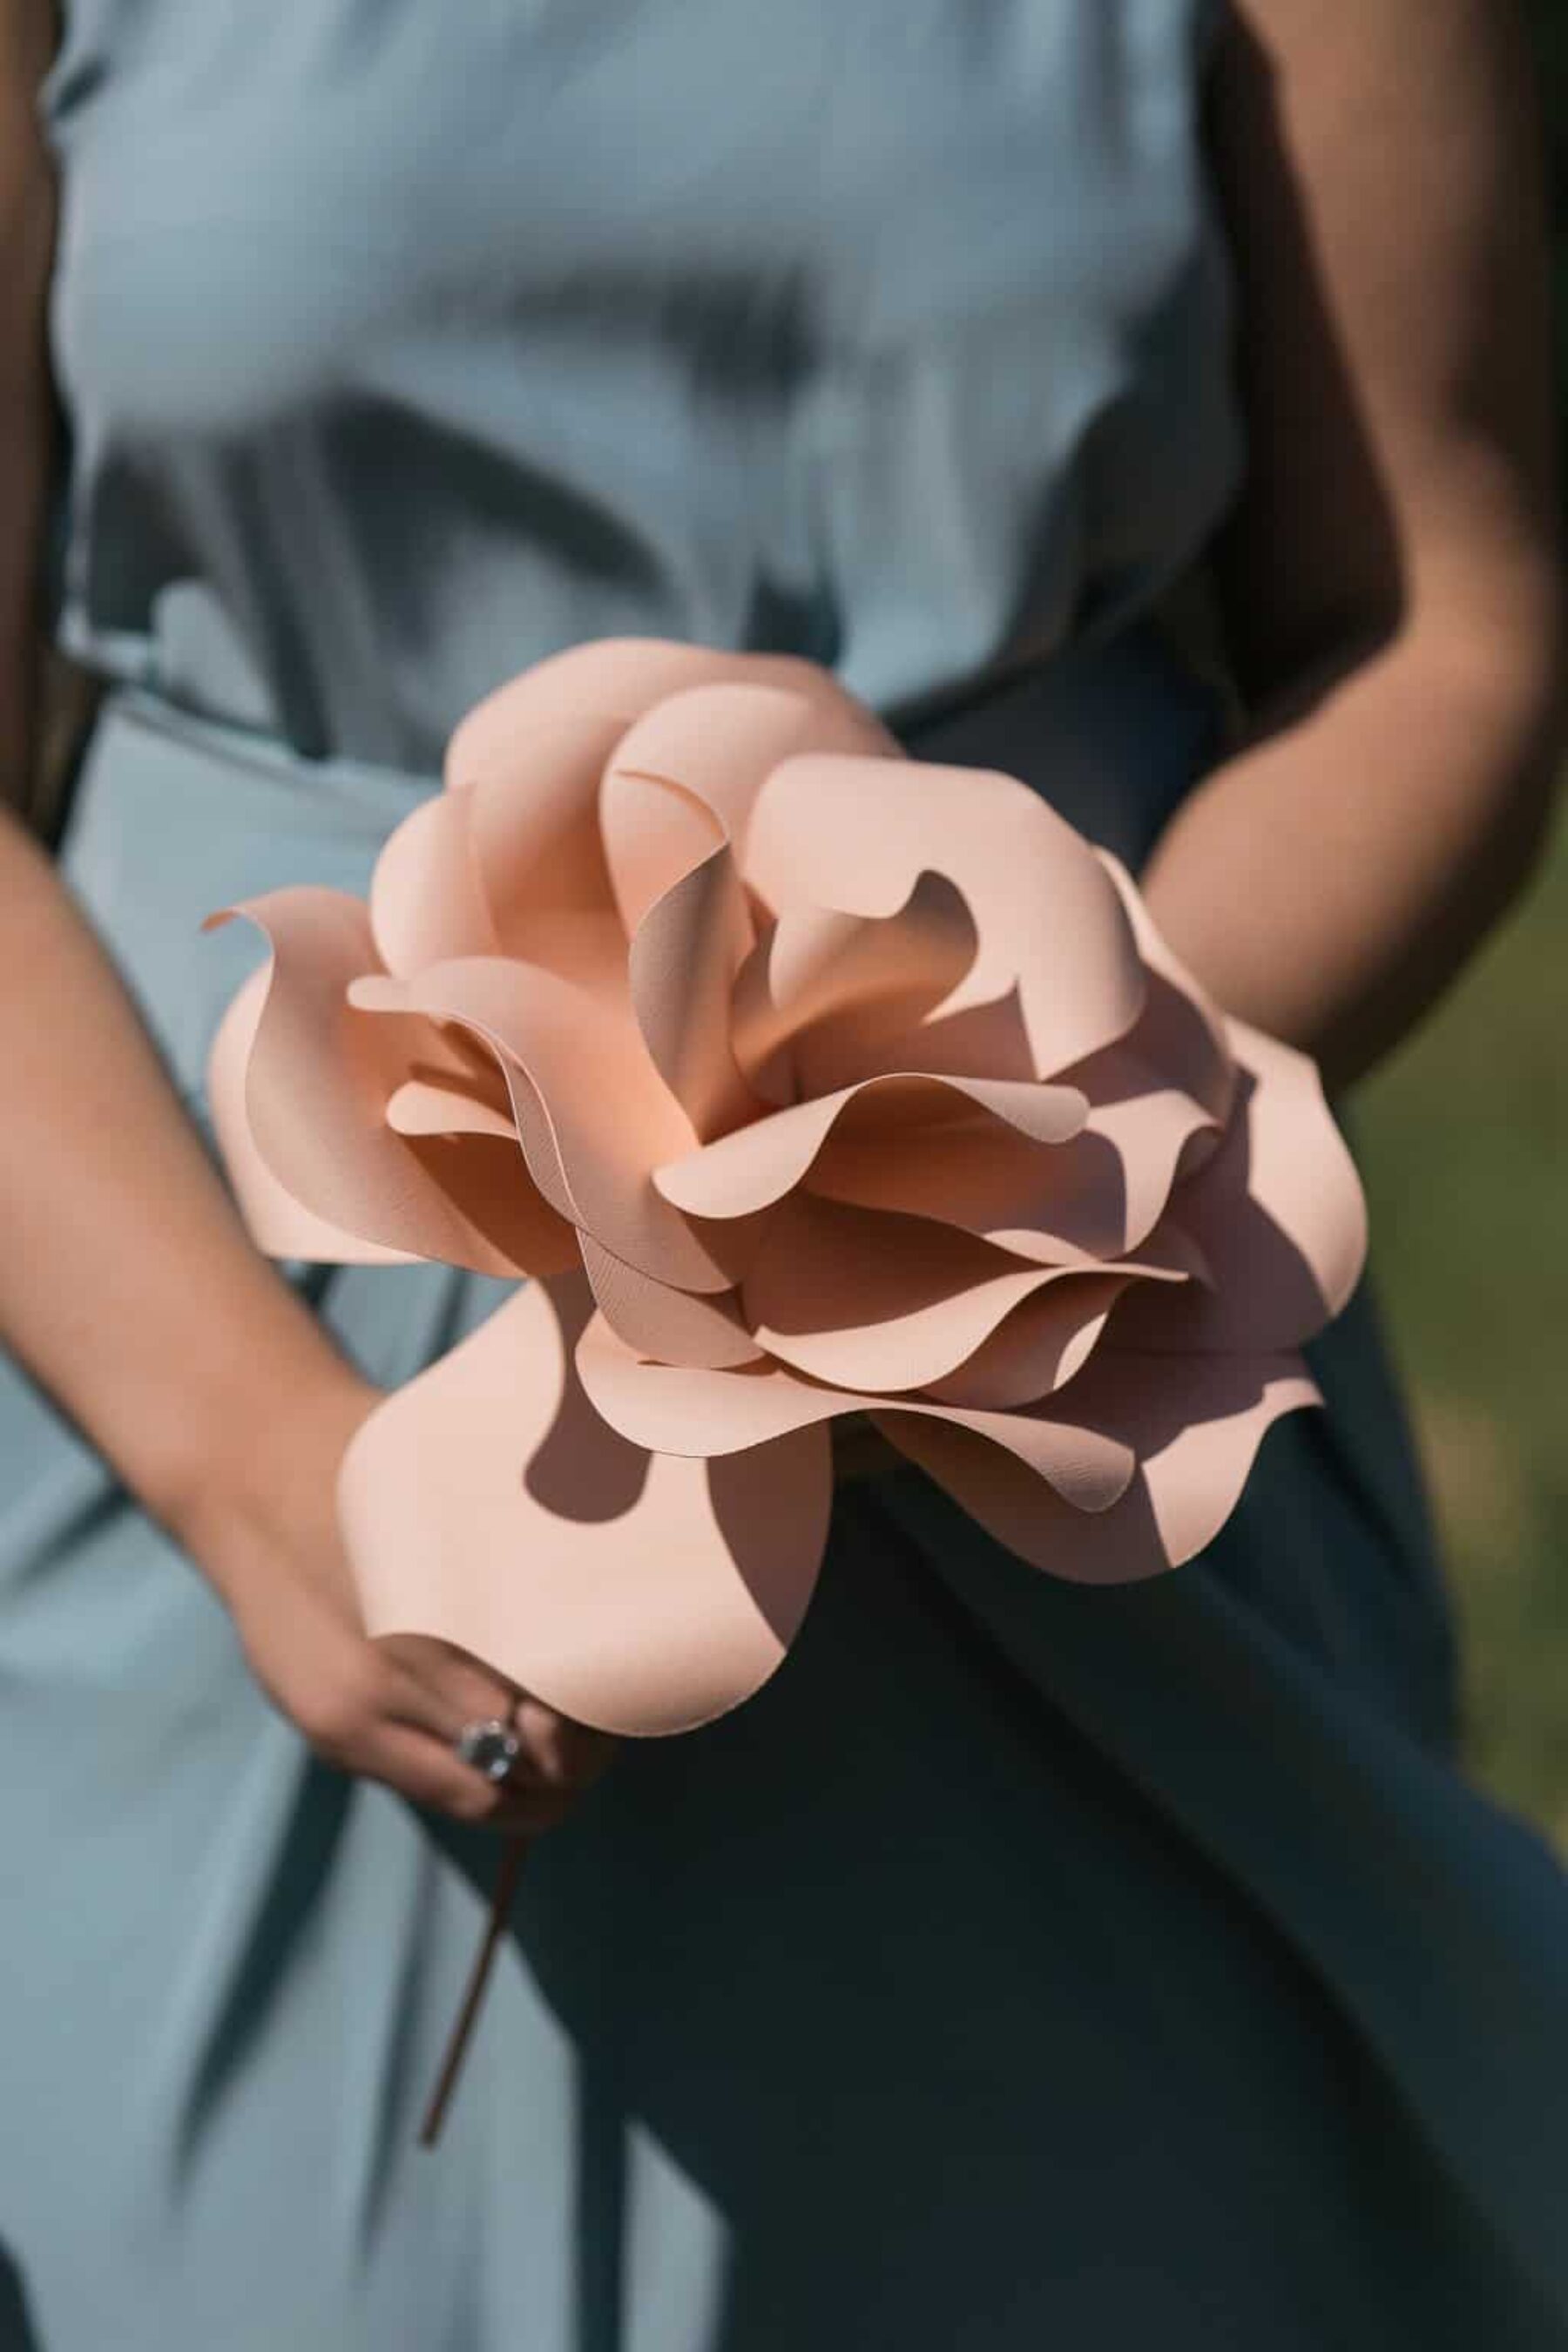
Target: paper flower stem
(508, 1876)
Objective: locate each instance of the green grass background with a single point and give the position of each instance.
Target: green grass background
(1465, 1144)
(1464, 1139)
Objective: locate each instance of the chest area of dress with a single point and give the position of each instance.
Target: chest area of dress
(276, 202)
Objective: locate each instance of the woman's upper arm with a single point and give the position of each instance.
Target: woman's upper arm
(1380, 168)
(26, 240)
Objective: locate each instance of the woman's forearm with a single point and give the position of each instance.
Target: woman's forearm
(1327, 882)
(1380, 175)
(128, 1285)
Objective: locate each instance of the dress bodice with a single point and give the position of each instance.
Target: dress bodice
(401, 345)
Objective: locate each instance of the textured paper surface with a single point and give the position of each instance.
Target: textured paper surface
(802, 1079)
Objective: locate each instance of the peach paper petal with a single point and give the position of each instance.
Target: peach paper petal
(535, 752)
(427, 901)
(654, 834)
(814, 1081)
(685, 775)
(759, 1164)
(528, 1116)
(1185, 1487)
(487, 1504)
(535, 833)
(1099, 1193)
(682, 1410)
(877, 1303)
(421, 1108)
(1152, 1130)
(318, 1078)
(678, 1327)
(279, 1225)
(858, 833)
(1042, 1344)
(591, 1112)
(827, 998)
(1278, 1211)
(1195, 1437)
(684, 957)
(488, 1179)
(618, 678)
(1181, 1032)
(1299, 1174)
(980, 1040)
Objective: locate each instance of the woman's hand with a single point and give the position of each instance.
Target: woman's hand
(389, 1709)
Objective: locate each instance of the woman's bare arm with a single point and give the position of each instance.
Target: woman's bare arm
(127, 1283)
(124, 1276)
(1389, 581)
(123, 1273)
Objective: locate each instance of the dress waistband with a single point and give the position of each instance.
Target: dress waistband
(376, 789)
(1110, 730)
(174, 816)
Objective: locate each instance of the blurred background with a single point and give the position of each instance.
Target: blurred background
(1464, 1139)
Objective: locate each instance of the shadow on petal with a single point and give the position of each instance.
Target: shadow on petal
(676, 1327)
(1180, 1032)
(1013, 1502)
(989, 1041)
(582, 1469)
(1038, 1348)
(1048, 915)
(301, 1081)
(591, 1112)
(1194, 1436)
(756, 1500)
(827, 998)
(1050, 1208)
(487, 1178)
(488, 1505)
(684, 956)
(755, 1166)
(879, 1302)
(1276, 1210)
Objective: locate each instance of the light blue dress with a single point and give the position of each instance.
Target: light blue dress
(1029, 1966)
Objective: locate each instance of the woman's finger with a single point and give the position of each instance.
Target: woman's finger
(563, 1753)
(438, 1688)
(427, 1771)
(442, 1687)
(414, 1708)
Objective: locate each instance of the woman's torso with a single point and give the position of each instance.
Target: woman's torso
(402, 345)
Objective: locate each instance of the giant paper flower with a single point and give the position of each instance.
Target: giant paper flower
(805, 1080)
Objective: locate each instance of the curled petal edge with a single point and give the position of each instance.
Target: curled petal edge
(687, 1409)
(1183, 1491)
(757, 1166)
(487, 1504)
(304, 1083)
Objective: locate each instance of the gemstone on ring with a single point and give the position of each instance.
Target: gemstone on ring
(492, 1747)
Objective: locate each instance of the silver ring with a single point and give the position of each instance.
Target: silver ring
(491, 1747)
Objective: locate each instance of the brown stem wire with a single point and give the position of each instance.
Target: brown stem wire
(508, 1875)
